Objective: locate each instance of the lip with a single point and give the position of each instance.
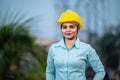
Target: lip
(67, 34)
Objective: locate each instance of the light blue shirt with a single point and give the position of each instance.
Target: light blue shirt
(64, 64)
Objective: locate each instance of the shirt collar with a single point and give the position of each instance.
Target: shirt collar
(62, 44)
(77, 43)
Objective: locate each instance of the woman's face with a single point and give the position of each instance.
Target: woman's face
(69, 30)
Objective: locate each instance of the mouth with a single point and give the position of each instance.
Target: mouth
(68, 34)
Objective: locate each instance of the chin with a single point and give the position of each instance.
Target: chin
(70, 38)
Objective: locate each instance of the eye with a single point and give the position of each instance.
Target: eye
(64, 27)
(72, 26)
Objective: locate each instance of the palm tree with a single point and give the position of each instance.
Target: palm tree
(109, 45)
(15, 42)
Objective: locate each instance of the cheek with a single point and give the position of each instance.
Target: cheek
(63, 31)
(75, 31)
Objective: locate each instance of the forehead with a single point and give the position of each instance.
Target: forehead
(69, 23)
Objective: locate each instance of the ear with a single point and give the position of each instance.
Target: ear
(78, 28)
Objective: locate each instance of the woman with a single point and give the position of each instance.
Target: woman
(67, 59)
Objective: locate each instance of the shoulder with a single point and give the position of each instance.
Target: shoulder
(54, 45)
(85, 45)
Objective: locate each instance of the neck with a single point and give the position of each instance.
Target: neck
(70, 42)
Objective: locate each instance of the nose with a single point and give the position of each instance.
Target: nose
(68, 29)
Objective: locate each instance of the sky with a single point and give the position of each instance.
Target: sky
(41, 10)
(45, 16)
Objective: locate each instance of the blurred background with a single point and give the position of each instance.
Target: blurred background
(28, 28)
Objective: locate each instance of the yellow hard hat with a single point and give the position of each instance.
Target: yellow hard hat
(69, 16)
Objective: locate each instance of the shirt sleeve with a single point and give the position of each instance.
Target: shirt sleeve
(50, 69)
(96, 65)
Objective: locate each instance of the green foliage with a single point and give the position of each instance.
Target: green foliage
(15, 43)
(110, 47)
